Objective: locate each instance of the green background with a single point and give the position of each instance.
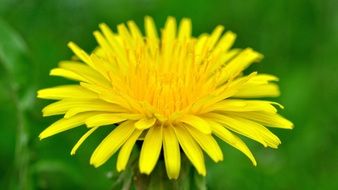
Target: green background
(299, 39)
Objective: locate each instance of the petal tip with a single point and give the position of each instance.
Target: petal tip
(71, 45)
(202, 173)
(94, 163)
(42, 135)
(119, 169)
(173, 177)
(254, 162)
(144, 171)
(102, 25)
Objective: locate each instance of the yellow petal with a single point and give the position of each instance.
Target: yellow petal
(259, 132)
(65, 124)
(263, 79)
(151, 33)
(104, 44)
(224, 91)
(56, 108)
(108, 95)
(111, 143)
(231, 139)
(239, 63)
(66, 91)
(238, 126)
(271, 139)
(223, 58)
(184, 29)
(104, 59)
(89, 74)
(208, 144)
(258, 86)
(74, 106)
(66, 74)
(257, 91)
(126, 149)
(215, 36)
(168, 38)
(169, 31)
(135, 31)
(79, 52)
(200, 46)
(82, 139)
(268, 119)
(117, 47)
(150, 28)
(197, 123)
(123, 32)
(145, 123)
(105, 107)
(151, 150)
(109, 118)
(191, 149)
(85, 58)
(226, 41)
(107, 32)
(232, 105)
(171, 151)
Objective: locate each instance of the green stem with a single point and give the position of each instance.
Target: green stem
(158, 179)
(21, 159)
(21, 147)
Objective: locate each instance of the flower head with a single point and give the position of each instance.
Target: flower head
(171, 91)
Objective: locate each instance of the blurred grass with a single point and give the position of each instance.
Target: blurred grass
(298, 38)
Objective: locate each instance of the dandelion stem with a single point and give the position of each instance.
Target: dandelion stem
(21, 159)
(158, 179)
(21, 147)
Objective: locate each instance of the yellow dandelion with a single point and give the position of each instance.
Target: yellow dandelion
(171, 91)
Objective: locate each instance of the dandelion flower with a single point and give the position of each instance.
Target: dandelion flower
(171, 91)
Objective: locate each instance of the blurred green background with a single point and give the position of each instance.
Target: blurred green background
(298, 38)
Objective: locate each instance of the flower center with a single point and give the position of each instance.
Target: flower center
(166, 92)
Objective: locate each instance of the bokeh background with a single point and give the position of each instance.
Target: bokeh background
(298, 38)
